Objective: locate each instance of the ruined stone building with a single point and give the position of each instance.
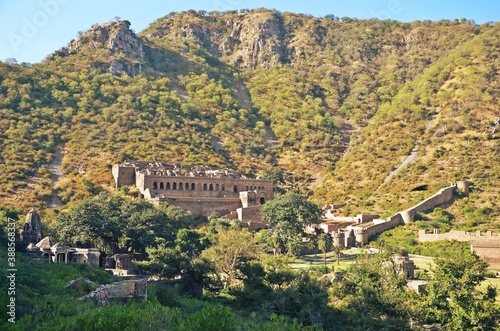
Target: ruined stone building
(198, 189)
(32, 236)
(57, 252)
(32, 229)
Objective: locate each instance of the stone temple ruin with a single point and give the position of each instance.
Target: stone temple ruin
(32, 229)
(47, 248)
(198, 189)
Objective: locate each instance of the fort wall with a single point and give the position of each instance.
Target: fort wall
(484, 245)
(444, 195)
(457, 235)
(363, 233)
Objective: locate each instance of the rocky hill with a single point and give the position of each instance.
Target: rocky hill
(337, 104)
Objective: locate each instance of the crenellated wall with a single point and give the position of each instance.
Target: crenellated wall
(363, 233)
(456, 235)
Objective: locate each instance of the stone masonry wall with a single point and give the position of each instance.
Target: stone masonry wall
(457, 235)
(490, 251)
(200, 191)
(123, 175)
(444, 195)
(484, 245)
(407, 216)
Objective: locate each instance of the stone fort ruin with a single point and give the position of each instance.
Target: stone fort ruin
(198, 189)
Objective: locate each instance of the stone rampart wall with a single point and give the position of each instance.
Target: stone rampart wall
(380, 226)
(363, 233)
(342, 219)
(443, 196)
(489, 252)
(484, 245)
(458, 236)
(204, 206)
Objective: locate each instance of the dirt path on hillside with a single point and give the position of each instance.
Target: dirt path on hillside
(413, 157)
(183, 95)
(409, 160)
(243, 95)
(271, 139)
(55, 168)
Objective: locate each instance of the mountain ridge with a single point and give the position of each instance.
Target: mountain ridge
(176, 87)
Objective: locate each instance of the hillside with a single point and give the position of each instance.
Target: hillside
(337, 104)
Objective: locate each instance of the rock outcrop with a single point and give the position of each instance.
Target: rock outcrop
(260, 37)
(121, 47)
(250, 41)
(83, 284)
(118, 292)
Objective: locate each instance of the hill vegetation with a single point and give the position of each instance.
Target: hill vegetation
(336, 104)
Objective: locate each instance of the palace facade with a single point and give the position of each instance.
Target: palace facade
(198, 189)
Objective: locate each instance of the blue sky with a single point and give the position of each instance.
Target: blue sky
(32, 29)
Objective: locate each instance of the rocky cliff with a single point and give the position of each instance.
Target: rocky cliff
(122, 52)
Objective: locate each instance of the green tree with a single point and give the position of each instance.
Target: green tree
(324, 244)
(373, 286)
(453, 295)
(90, 222)
(288, 214)
(337, 251)
(190, 242)
(231, 247)
(116, 222)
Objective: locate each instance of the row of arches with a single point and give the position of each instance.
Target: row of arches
(253, 188)
(191, 186)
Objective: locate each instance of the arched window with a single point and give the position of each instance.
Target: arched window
(174, 186)
(216, 187)
(246, 188)
(205, 187)
(161, 186)
(168, 186)
(223, 188)
(235, 189)
(186, 186)
(193, 187)
(155, 185)
(211, 187)
(180, 186)
(262, 200)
